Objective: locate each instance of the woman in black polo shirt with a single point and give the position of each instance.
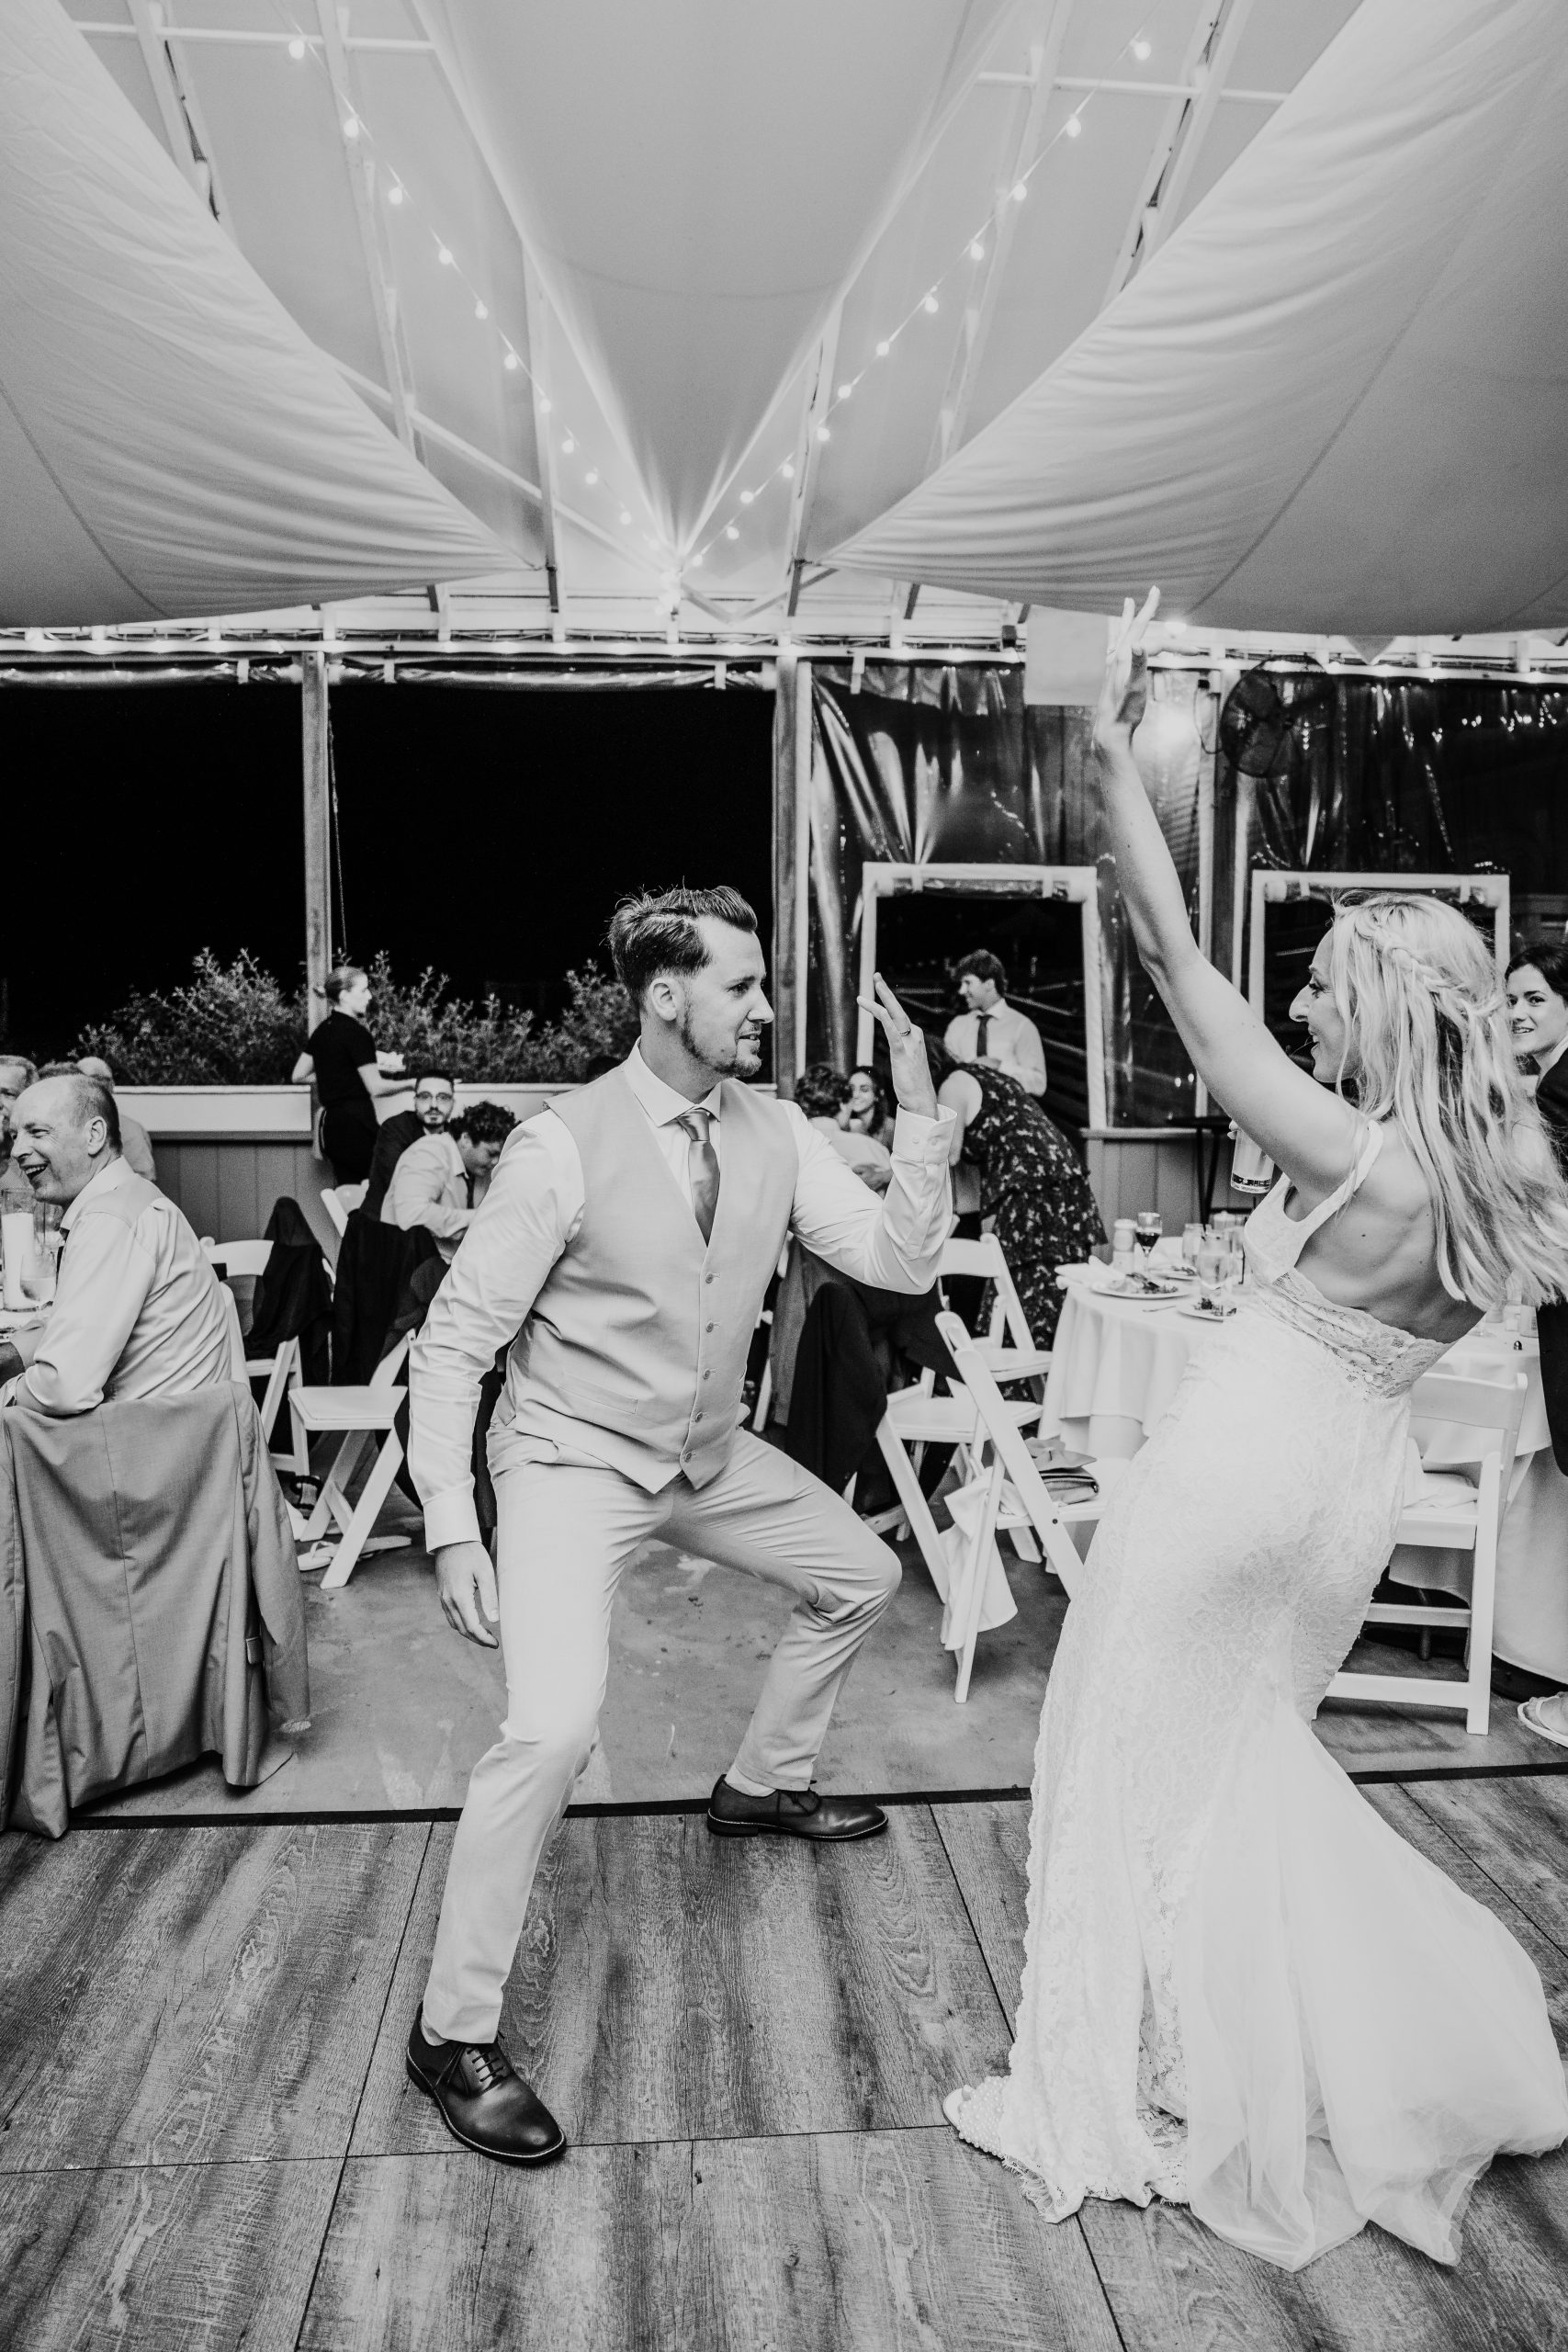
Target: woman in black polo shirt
(349, 1074)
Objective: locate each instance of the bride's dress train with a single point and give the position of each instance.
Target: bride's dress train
(1242, 1989)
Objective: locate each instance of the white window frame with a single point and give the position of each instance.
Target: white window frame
(1076, 884)
(1272, 889)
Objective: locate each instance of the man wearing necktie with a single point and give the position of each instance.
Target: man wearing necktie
(622, 1254)
(988, 1030)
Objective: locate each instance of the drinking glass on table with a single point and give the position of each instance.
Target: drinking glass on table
(1234, 1266)
(1191, 1242)
(1212, 1260)
(1146, 1232)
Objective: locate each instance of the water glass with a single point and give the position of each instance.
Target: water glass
(1235, 1265)
(1212, 1259)
(1192, 1242)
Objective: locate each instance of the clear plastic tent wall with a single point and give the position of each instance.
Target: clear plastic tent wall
(170, 444)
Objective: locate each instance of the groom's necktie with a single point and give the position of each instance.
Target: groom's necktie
(982, 1034)
(701, 1168)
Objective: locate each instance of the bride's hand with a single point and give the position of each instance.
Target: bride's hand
(1125, 693)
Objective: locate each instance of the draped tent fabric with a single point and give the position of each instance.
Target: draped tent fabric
(696, 183)
(1337, 398)
(170, 444)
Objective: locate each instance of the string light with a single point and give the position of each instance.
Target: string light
(399, 194)
(1143, 49)
(731, 531)
(930, 302)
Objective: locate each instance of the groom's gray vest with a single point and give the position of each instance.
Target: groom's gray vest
(638, 1341)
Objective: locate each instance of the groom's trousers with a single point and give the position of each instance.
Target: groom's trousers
(566, 1530)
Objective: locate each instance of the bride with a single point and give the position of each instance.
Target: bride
(1241, 1989)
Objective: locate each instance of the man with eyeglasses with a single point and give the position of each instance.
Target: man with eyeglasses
(434, 1100)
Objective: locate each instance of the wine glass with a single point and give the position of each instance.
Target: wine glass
(1146, 1232)
(1212, 1260)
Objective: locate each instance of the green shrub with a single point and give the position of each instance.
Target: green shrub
(235, 1025)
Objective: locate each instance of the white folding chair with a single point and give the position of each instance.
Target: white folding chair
(917, 1417)
(1015, 1495)
(360, 1413)
(1460, 1517)
(338, 1200)
(281, 1371)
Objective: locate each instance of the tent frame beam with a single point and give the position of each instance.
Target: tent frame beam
(184, 126)
(544, 441)
(802, 490)
(1215, 36)
(370, 221)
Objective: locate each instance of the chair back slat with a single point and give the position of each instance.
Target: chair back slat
(987, 1259)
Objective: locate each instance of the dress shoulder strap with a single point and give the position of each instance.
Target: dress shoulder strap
(1371, 1145)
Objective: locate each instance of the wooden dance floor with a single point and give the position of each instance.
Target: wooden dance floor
(207, 2137)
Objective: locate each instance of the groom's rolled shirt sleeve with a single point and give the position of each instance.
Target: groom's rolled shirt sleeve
(526, 1218)
(893, 1243)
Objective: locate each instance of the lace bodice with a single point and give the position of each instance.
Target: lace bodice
(1377, 1356)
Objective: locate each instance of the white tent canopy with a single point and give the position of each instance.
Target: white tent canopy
(675, 303)
(170, 442)
(1339, 397)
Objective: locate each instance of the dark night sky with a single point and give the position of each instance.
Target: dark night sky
(488, 833)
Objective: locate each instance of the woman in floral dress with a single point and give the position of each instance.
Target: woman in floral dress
(1032, 1183)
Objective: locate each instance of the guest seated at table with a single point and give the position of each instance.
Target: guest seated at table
(351, 1076)
(440, 1180)
(16, 1074)
(988, 1031)
(434, 1100)
(822, 1095)
(869, 1114)
(138, 1309)
(135, 1142)
(1538, 997)
(1032, 1186)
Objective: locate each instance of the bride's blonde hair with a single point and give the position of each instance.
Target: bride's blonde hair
(1428, 1046)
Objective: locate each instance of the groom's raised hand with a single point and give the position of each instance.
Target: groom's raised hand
(906, 1051)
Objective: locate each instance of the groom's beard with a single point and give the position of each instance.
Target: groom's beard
(735, 1057)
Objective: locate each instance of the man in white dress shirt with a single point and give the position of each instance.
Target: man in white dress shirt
(138, 1310)
(435, 1179)
(622, 1252)
(988, 1031)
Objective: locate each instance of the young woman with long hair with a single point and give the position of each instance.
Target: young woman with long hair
(1242, 1990)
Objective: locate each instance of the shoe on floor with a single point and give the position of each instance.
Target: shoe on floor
(483, 2102)
(793, 1812)
(1546, 1715)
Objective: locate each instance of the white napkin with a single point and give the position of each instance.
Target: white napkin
(968, 1505)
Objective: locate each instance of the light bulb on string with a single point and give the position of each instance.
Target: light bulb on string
(787, 469)
(296, 48)
(481, 310)
(730, 532)
(977, 249)
(544, 404)
(883, 348)
(747, 496)
(592, 476)
(444, 255)
(510, 360)
(1019, 191)
(351, 128)
(844, 390)
(568, 446)
(395, 192)
(824, 433)
(931, 305)
(1072, 128)
(626, 518)
(1143, 51)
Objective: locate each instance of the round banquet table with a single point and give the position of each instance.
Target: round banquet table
(1115, 1365)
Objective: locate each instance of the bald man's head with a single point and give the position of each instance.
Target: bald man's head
(67, 1130)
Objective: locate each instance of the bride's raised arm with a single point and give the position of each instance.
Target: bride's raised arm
(1306, 1128)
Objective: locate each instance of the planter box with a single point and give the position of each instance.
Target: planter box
(277, 1113)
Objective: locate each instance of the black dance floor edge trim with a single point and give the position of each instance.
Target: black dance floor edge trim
(1373, 1777)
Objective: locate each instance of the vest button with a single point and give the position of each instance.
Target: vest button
(708, 1375)
(697, 1417)
(707, 1278)
(707, 1326)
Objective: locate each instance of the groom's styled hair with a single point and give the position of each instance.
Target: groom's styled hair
(656, 931)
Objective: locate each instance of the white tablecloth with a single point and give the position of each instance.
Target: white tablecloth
(1115, 1368)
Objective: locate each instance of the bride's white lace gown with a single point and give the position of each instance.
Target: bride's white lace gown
(1221, 1929)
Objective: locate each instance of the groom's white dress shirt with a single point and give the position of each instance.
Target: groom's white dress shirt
(532, 1213)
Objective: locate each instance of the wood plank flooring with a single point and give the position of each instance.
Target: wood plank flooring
(207, 2138)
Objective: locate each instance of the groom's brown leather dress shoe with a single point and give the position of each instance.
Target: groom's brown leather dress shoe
(793, 1812)
(482, 2102)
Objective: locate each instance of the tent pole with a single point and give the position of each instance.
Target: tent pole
(792, 882)
(318, 830)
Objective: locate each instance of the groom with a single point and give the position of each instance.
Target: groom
(622, 1254)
